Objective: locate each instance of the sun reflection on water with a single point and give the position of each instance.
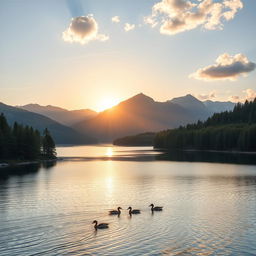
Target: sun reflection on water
(209, 209)
(109, 183)
(109, 152)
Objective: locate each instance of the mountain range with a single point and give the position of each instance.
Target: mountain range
(141, 114)
(61, 115)
(62, 134)
(218, 106)
(138, 114)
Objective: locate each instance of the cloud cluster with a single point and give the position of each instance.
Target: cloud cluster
(129, 27)
(210, 96)
(227, 67)
(115, 19)
(234, 98)
(83, 29)
(175, 16)
(250, 95)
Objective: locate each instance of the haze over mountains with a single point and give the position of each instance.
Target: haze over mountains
(206, 108)
(218, 106)
(61, 115)
(61, 133)
(135, 115)
(141, 114)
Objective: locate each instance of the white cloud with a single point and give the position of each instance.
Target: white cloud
(151, 21)
(250, 95)
(115, 19)
(209, 96)
(234, 98)
(129, 27)
(227, 67)
(83, 29)
(176, 16)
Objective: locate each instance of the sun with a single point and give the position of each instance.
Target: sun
(107, 103)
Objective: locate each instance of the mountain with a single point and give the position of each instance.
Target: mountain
(61, 134)
(226, 131)
(193, 105)
(196, 108)
(138, 114)
(141, 114)
(219, 106)
(61, 115)
(203, 108)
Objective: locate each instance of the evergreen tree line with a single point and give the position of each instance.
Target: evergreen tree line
(20, 142)
(229, 130)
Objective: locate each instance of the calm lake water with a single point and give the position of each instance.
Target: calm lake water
(209, 207)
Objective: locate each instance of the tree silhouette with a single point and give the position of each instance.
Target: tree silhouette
(24, 143)
(48, 144)
(229, 130)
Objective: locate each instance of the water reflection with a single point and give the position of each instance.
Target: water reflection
(21, 170)
(209, 208)
(210, 157)
(109, 152)
(116, 153)
(5, 173)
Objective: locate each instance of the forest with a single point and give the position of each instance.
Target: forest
(143, 139)
(229, 130)
(20, 142)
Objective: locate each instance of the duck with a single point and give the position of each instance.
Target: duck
(100, 226)
(116, 212)
(155, 208)
(131, 211)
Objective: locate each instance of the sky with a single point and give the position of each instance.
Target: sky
(93, 53)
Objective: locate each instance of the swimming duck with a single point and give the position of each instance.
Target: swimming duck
(116, 212)
(100, 226)
(156, 208)
(131, 211)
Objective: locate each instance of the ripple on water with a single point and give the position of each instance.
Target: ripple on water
(204, 213)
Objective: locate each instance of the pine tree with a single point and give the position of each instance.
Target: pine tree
(49, 150)
(24, 143)
(229, 130)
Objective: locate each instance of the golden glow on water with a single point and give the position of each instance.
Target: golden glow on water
(109, 152)
(109, 183)
(209, 209)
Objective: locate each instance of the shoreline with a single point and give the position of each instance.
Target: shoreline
(205, 151)
(5, 164)
(223, 151)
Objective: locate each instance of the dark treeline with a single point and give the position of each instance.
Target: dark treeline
(143, 139)
(229, 130)
(20, 142)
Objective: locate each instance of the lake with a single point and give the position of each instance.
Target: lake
(209, 207)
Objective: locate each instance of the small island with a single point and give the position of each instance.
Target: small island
(20, 143)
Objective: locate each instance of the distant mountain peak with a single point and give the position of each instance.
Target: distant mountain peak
(182, 99)
(33, 107)
(141, 97)
(141, 94)
(192, 104)
(219, 106)
(61, 133)
(61, 115)
(190, 96)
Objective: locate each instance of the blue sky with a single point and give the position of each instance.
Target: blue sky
(38, 66)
